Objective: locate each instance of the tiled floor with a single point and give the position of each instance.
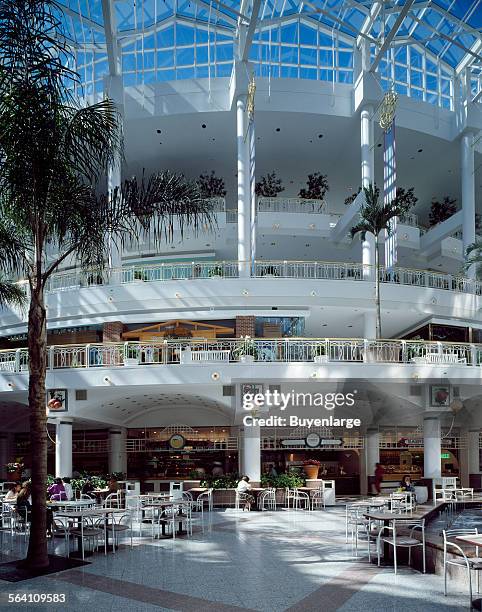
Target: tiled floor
(270, 561)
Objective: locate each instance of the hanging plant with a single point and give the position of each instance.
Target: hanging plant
(211, 186)
(352, 197)
(317, 187)
(269, 186)
(441, 211)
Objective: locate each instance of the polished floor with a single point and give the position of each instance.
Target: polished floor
(267, 561)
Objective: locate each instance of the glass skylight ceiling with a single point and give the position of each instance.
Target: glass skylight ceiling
(161, 40)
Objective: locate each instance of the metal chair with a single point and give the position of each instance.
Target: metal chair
(88, 530)
(267, 500)
(472, 564)
(318, 500)
(401, 540)
(119, 523)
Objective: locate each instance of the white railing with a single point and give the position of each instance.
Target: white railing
(216, 204)
(409, 219)
(316, 270)
(291, 205)
(259, 350)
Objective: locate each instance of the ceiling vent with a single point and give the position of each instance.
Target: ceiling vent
(228, 391)
(81, 395)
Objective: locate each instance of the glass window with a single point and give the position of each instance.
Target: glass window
(345, 59)
(289, 55)
(184, 34)
(326, 57)
(415, 58)
(185, 57)
(400, 74)
(326, 75)
(289, 72)
(307, 35)
(289, 33)
(416, 78)
(432, 82)
(165, 38)
(224, 53)
(165, 58)
(308, 73)
(345, 76)
(202, 55)
(308, 56)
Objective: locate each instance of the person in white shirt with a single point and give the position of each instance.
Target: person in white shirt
(13, 491)
(242, 489)
(69, 492)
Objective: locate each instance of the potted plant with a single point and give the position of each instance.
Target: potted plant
(211, 187)
(269, 271)
(140, 275)
(319, 354)
(311, 467)
(216, 272)
(269, 186)
(247, 351)
(316, 188)
(131, 355)
(441, 211)
(15, 469)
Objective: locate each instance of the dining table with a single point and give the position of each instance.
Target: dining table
(472, 540)
(78, 515)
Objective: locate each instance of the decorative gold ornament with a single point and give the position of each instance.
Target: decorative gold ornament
(387, 110)
(250, 99)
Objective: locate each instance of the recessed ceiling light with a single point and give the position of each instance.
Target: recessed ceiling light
(158, 131)
(420, 150)
(379, 144)
(278, 129)
(203, 126)
(349, 325)
(320, 135)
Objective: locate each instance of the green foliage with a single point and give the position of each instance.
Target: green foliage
(216, 271)
(246, 347)
(316, 187)
(269, 186)
(228, 481)
(352, 197)
(283, 481)
(441, 211)
(211, 186)
(474, 257)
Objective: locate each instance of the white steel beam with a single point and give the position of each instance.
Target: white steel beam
(248, 39)
(111, 37)
(469, 57)
(369, 21)
(388, 39)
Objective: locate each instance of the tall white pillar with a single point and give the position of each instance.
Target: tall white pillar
(250, 452)
(63, 447)
(370, 325)
(474, 451)
(432, 446)
(244, 188)
(372, 450)
(252, 192)
(117, 450)
(467, 173)
(367, 178)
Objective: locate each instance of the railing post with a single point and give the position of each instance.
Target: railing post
(17, 360)
(87, 355)
(285, 269)
(126, 349)
(51, 357)
(366, 348)
(404, 351)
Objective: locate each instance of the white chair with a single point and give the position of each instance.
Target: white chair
(402, 502)
(460, 558)
(401, 540)
(205, 496)
(318, 500)
(88, 530)
(113, 500)
(119, 523)
(267, 500)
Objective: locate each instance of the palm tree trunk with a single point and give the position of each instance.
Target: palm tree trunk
(377, 290)
(37, 556)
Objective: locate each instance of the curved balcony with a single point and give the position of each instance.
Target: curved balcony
(247, 350)
(311, 270)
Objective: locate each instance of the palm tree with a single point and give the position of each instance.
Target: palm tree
(55, 155)
(376, 217)
(474, 257)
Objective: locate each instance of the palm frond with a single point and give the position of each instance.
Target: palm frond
(11, 294)
(473, 257)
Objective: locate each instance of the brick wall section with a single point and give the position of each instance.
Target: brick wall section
(112, 331)
(245, 326)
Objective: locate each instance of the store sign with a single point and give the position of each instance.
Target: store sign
(293, 442)
(176, 441)
(57, 400)
(331, 442)
(445, 456)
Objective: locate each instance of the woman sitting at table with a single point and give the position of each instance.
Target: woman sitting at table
(24, 501)
(68, 489)
(57, 491)
(406, 484)
(13, 490)
(243, 488)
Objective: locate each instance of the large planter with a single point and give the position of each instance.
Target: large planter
(246, 358)
(311, 471)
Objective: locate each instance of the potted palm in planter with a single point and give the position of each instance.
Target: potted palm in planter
(319, 354)
(311, 467)
(247, 351)
(216, 272)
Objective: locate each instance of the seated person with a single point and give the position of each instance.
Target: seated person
(24, 501)
(406, 484)
(68, 489)
(57, 491)
(243, 488)
(13, 490)
(87, 487)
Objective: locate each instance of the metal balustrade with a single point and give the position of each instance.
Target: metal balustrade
(246, 350)
(291, 205)
(316, 270)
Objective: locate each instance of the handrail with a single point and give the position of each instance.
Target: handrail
(313, 270)
(198, 352)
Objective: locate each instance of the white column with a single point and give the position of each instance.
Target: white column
(244, 200)
(370, 325)
(474, 451)
(252, 191)
(432, 447)
(468, 193)
(250, 452)
(367, 177)
(117, 450)
(63, 447)
(372, 450)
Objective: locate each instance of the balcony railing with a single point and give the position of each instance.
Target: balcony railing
(199, 352)
(313, 270)
(291, 205)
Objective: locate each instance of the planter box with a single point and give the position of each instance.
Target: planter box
(246, 359)
(320, 359)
